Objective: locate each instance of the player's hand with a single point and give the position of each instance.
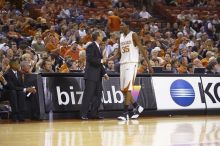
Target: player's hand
(106, 77)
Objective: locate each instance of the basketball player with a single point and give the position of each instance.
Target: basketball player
(129, 53)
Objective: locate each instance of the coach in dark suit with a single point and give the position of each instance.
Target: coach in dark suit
(94, 72)
(16, 90)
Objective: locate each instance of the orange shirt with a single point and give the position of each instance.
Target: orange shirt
(115, 23)
(64, 68)
(182, 69)
(63, 50)
(2, 3)
(73, 54)
(205, 62)
(141, 69)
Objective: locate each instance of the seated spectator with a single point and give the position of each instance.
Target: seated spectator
(112, 45)
(144, 14)
(212, 67)
(120, 5)
(26, 67)
(16, 90)
(181, 16)
(110, 66)
(155, 62)
(155, 58)
(74, 66)
(82, 31)
(135, 14)
(64, 13)
(73, 52)
(168, 67)
(82, 60)
(46, 67)
(39, 45)
(175, 65)
(205, 60)
(197, 63)
(114, 2)
(61, 50)
(90, 4)
(182, 69)
(143, 68)
(9, 54)
(190, 68)
(5, 64)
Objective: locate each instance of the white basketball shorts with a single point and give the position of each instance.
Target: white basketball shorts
(128, 72)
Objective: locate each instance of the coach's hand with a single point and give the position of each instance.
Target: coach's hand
(104, 60)
(106, 77)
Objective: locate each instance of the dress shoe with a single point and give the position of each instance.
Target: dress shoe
(84, 118)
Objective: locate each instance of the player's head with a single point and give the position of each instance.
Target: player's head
(124, 27)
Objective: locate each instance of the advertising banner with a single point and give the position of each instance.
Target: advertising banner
(211, 87)
(175, 93)
(64, 94)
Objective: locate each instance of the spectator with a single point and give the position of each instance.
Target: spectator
(144, 14)
(190, 69)
(168, 67)
(114, 22)
(182, 69)
(212, 67)
(110, 65)
(39, 45)
(120, 4)
(16, 90)
(73, 52)
(90, 4)
(46, 67)
(143, 68)
(26, 67)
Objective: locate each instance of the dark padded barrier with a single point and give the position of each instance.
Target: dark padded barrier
(61, 94)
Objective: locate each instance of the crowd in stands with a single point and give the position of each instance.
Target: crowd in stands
(194, 3)
(56, 41)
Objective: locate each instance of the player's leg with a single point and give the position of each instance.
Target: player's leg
(137, 108)
(124, 85)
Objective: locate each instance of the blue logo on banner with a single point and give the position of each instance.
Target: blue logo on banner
(182, 93)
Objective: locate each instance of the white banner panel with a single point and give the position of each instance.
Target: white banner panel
(211, 86)
(177, 93)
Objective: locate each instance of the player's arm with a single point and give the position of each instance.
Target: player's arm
(137, 43)
(117, 54)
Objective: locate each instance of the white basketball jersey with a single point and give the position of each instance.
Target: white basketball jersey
(129, 53)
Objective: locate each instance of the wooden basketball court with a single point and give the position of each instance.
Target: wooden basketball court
(148, 131)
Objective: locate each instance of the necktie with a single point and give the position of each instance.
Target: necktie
(16, 75)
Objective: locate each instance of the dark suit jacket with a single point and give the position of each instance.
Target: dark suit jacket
(94, 70)
(14, 83)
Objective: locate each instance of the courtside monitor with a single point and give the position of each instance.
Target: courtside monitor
(200, 70)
